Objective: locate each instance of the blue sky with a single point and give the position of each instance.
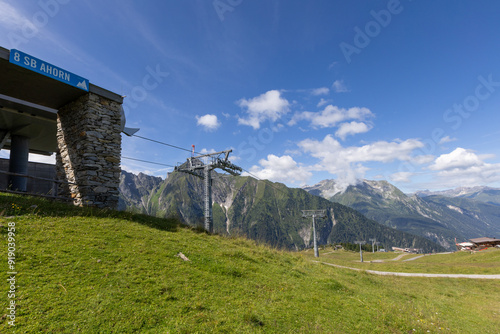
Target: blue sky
(404, 91)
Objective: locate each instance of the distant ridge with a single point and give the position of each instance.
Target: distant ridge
(480, 193)
(460, 213)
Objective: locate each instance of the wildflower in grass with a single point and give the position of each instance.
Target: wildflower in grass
(16, 208)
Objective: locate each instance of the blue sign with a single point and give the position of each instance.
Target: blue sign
(34, 64)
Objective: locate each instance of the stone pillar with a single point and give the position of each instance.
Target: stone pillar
(89, 140)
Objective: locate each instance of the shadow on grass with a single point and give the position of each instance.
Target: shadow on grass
(17, 205)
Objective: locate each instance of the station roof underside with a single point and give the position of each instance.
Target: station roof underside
(29, 102)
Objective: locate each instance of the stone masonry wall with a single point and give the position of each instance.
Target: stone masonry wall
(89, 140)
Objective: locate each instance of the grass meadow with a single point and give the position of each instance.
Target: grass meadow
(486, 262)
(97, 271)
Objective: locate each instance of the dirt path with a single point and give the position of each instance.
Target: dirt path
(400, 256)
(388, 273)
(413, 258)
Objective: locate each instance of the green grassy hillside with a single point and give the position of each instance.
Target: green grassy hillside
(94, 271)
(264, 211)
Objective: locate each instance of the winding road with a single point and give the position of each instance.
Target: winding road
(389, 273)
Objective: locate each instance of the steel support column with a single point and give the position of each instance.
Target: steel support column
(209, 226)
(18, 163)
(360, 243)
(194, 165)
(316, 252)
(314, 214)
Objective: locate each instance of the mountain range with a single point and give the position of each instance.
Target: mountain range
(260, 210)
(442, 216)
(481, 194)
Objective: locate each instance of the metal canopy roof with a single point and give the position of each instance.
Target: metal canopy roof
(484, 240)
(30, 86)
(29, 102)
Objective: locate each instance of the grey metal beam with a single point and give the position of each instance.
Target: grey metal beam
(18, 162)
(4, 53)
(31, 108)
(213, 154)
(4, 136)
(105, 93)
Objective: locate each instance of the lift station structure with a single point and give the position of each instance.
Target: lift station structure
(201, 166)
(45, 109)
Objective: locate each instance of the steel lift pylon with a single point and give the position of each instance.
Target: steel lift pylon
(201, 166)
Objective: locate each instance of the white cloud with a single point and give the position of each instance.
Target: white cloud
(205, 151)
(464, 168)
(281, 169)
(320, 91)
(332, 65)
(460, 158)
(339, 86)
(268, 106)
(346, 162)
(293, 152)
(12, 19)
(329, 150)
(209, 122)
(447, 139)
(352, 128)
(322, 102)
(331, 116)
(401, 177)
(486, 174)
(305, 115)
(423, 159)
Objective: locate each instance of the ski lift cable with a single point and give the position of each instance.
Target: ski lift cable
(191, 151)
(269, 183)
(163, 143)
(149, 162)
